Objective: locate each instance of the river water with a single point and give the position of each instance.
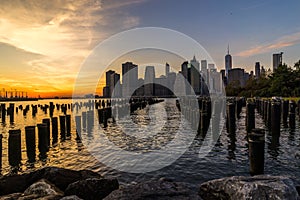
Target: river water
(229, 157)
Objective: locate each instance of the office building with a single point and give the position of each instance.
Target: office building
(149, 81)
(277, 60)
(228, 63)
(167, 69)
(257, 70)
(236, 76)
(129, 79)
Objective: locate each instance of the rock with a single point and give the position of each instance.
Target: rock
(13, 196)
(58, 176)
(256, 187)
(298, 189)
(161, 189)
(71, 197)
(92, 188)
(63, 177)
(43, 188)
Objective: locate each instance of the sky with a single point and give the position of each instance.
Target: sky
(44, 43)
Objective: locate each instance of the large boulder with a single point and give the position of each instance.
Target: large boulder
(256, 187)
(58, 176)
(161, 189)
(92, 188)
(43, 188)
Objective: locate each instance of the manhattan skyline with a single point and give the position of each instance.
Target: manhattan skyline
(44, 43)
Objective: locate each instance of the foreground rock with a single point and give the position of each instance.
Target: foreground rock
(256, 187)
(162, 189)
(92, 188)
(60, 177)
(56, 183)
(42, 189)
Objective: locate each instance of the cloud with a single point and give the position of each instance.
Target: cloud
(62, 32)
(284, 41)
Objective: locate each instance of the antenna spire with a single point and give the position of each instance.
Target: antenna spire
(228, 49)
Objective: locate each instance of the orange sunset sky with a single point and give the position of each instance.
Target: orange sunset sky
(44, 43)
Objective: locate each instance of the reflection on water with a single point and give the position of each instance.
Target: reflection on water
(228, 157)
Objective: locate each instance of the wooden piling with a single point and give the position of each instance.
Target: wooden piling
(84, 120)
(42, 140)
(11, 112)
(68, 125)
(284, 112)
(231, 117)
(250, 116)
(275, 118)
(292, 114)
(14, 147)
(47, 122)
(62, 122)
(256, 142)
(54, 130)
(90, 120)
(3, 112)
(78, 127)
(30, 142)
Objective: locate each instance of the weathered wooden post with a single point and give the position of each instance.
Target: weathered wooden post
(292, 114)
(250, 116)
(100, 115)
(30, 142)
(256, 142)
(275, 118)
(14, 147)
(51, 108)
(42, 139)
(11, 112)
(269, 113)
(62, 122)
(285, 111)
(68, 119)
(3, 112)
(54, 130)
(84, 120)
(78, 127)
(90, 120)
(231, 117)
(47, 122)
(105, 118)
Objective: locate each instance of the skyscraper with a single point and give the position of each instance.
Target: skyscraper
(108, 75)
(257, 70)
(107, 89)
(149, 81)
(129, 78)
(228, 62)
(195, 75)
(113, 90)
(185, 71)
(167, 69)
(277, 60)
(204, 69)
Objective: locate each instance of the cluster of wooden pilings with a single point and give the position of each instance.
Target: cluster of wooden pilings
(198, 111)
(49, 130)
(274, 112)
(277, 111)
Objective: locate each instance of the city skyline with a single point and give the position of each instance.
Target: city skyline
(197, 78)
(44, 44)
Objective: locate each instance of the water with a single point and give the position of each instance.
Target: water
(229, 157)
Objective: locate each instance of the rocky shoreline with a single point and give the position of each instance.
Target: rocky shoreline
(57, 183)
